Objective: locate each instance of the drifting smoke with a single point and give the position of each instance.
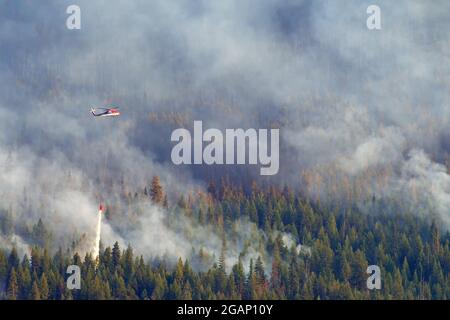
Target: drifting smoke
(158, 233)
(290, 242)
(16, 242)
(360, 113)
(426, 181)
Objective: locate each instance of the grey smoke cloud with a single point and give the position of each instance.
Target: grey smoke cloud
(344, 97)
(424, 181)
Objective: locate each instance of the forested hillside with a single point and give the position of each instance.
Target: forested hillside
(337, 245)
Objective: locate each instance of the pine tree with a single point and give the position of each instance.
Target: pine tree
(187, 292)
(128, 264)
(156, 191)
(36, 264)
(250, 285)
(179, 271)
(13, 259)
(275, 278)
(97, 292)
(120, 290)
(358, 266)
(116, 255)
(397, 289)
(35, 292)
(3, 267)
(239, 278)
(13, 287)
(293, 287)
(44, 292)
(24, 278)
(159, 288)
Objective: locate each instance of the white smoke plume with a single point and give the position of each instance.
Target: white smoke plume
(425, 181)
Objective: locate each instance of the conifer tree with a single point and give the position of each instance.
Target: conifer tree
(35, 292)
(44, 290)
(116, 255)
(13, 287)
(156, 191)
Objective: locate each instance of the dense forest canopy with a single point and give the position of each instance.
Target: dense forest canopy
(337, 247)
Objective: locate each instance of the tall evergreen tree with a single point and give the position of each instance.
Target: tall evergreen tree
(13, 287)
(35, 292)
(156, 191)
(44, 290)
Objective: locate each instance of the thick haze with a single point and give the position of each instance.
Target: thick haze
(364, 108)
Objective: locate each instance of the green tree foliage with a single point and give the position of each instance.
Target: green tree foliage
(337, 245)
(13, 287)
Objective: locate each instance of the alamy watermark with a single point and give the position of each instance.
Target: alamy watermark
(374, 20)
(73, 21)
(241, 147)
(74, 280)
(374, 280)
